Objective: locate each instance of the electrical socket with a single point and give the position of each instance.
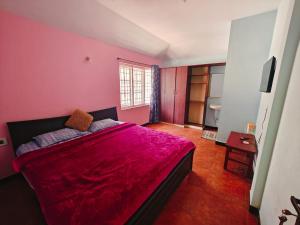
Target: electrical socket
(3, 142)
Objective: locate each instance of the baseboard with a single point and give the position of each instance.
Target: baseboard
(220, 143)
(174, 124)
(255, 211)
(210, 128)
(193, 127)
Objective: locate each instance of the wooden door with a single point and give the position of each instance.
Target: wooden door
(168, 76)
(180, 94)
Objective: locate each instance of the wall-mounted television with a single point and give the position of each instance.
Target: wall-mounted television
(268, 75)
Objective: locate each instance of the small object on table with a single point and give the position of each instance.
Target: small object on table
(243, 143)
(244, 138)
(251, 128)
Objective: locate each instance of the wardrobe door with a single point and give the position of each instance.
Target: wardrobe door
(180, 94)
(168, 76)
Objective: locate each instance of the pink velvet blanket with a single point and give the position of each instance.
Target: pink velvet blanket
(101, 178)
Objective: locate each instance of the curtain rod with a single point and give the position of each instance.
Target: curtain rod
(130, 61)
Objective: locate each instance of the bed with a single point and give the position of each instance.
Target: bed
(121, 175)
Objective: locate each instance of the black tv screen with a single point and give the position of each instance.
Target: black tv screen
(268, 75)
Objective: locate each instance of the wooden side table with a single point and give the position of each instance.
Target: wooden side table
(234, 142)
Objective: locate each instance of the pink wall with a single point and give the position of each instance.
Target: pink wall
(43, 74)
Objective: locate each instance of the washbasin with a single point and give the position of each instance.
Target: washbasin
(215, 107)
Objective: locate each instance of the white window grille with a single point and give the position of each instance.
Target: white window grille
(135, 85)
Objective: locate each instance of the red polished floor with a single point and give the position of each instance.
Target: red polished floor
(209, 195)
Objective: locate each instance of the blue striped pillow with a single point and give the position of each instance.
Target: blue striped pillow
(53, 137)
(28, 147)
(102, 124)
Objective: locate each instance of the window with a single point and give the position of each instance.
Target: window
(135, 85)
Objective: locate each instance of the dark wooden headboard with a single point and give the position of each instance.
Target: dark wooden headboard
(23, 131)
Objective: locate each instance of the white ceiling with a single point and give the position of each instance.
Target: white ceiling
(89, 18)
(181, 32)
(196, 30)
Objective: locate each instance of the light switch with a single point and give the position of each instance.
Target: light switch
(3, 142)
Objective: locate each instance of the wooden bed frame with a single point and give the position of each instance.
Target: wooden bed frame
(23, 131)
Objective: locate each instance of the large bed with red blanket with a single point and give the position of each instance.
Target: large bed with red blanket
(118, 175)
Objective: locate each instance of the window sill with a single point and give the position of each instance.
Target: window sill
(134, 107)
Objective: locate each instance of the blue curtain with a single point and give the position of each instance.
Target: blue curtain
(155, 96)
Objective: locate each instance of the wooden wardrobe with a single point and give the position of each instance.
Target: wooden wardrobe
(173, 94)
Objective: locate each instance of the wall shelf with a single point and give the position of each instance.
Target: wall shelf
(198, 89)
(199, 83)
(202, 74)
(197, 101)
